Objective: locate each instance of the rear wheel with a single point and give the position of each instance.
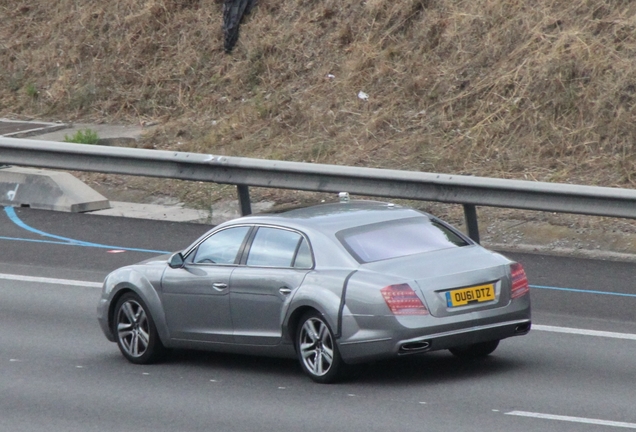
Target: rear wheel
(317, 350)
(136, 332)
(475, 351)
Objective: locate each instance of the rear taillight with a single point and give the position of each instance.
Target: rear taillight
(519, 281)
(402, 300)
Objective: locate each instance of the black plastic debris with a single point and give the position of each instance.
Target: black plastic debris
(233, 12)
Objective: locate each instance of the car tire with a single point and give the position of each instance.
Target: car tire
(475, 351)
(317, 349)
(135, 331)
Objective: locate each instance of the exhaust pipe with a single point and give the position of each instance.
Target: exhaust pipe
(523, 328)
(413, 347)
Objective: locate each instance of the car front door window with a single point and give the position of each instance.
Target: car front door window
(221, 247)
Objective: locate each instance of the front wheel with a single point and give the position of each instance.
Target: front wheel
(475, 351)
(135, 330)
(317, 350)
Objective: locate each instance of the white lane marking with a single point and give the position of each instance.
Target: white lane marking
(584, 332)
(573, 419)
(50, 280)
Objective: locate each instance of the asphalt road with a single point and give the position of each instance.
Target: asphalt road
(574, 372)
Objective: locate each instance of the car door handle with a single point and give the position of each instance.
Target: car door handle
(219, 286)
(284, 291)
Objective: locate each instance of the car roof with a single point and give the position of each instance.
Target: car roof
(331, 218)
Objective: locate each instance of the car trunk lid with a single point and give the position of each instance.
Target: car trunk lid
(453, 281)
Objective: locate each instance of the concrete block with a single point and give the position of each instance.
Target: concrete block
(23, 129)
(175, 213)
(47, 190)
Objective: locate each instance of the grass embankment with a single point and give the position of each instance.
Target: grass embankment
(542, 90)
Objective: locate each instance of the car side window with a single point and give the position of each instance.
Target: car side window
(303, 257)
(273, 247)
(221, 247)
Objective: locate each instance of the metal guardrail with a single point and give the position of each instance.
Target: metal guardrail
(244, 172)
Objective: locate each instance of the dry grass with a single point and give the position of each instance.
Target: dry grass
(541, 90)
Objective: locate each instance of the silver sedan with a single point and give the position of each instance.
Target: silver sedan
(335, 285)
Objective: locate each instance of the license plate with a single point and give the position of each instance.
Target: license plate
(475, 294)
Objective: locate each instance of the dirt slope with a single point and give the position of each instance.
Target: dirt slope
(540, 90)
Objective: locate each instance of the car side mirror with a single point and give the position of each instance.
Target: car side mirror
(176, 261)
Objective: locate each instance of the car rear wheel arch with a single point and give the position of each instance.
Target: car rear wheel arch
(317, 349)
(294, 322)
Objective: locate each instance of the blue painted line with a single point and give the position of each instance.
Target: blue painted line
(13, 217)
(10, 211)
(583, 291)
(64, 243)
(93, 245)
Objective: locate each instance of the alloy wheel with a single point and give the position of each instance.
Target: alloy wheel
(316, 347)
(133, 328)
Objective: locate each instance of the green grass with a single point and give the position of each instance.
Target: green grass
(82, 136)
(32, 91)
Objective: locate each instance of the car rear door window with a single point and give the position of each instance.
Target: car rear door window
(398, 238)
(303, 259)
(274, 247)
(221, 247)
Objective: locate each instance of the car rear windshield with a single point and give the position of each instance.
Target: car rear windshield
(398, 238)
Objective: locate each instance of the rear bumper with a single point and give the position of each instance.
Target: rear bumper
(398, 342)
(440, 341)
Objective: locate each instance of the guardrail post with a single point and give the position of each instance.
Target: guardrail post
(244, 199)
(470, 216)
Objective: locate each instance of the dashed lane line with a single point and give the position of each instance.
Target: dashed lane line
(584, 332)
(583, 291)
(68, 282)
(573, 419)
